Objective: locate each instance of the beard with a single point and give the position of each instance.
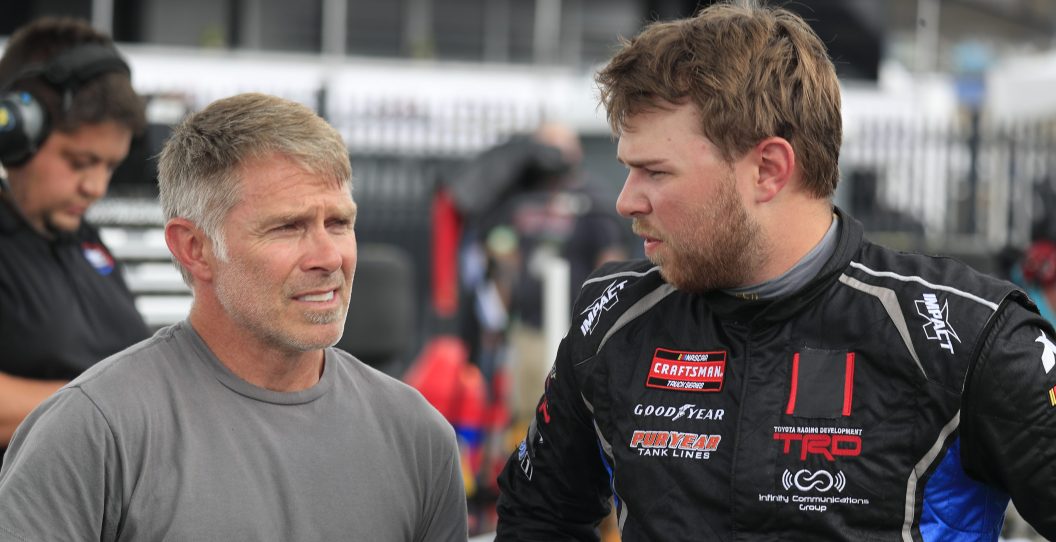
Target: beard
(721, 247)
(237, 290)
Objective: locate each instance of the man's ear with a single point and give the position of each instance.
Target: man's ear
(190, 247)
(777, 166)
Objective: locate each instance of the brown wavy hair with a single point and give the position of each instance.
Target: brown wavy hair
(752, 71)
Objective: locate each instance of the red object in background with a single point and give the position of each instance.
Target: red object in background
(449, 382)
(447, 230)
(1039, 263)
(457, 389)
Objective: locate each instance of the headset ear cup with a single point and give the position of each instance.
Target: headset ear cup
(23, 127)
(24, 122)
(1039, 263)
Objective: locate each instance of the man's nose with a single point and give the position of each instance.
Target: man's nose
(325, 250)
(631, 201)
(95, 182)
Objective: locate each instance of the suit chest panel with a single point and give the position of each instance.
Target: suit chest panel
(797, 424)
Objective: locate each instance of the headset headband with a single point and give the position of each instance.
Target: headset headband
(24, 121)
(75, 66)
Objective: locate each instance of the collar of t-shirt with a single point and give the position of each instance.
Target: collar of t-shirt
(185, 332)
(802, 273)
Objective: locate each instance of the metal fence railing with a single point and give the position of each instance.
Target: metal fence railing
(963, 186)
(965, 183)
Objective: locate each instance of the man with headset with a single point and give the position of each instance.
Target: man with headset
(67, 116)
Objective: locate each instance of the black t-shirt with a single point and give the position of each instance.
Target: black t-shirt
(64, 304)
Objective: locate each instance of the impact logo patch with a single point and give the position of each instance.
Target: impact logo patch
(1052, 396)
(604, 302)
(1048, 356)
(98, 257)
(687, 371)
(938, 326)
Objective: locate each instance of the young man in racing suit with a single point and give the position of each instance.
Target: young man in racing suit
(770, 374)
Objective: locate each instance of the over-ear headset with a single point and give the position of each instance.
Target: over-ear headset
(24, 121)
(1039, 263)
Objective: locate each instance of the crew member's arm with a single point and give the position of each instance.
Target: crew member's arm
(554, 486)
(1008, 425)
(19, 396)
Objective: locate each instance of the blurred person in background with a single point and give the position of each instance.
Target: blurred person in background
(528, 200)
(525, 204)
(768, 373)
(242, 422)
(67, 116)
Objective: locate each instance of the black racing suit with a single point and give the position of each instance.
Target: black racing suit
(895, 397)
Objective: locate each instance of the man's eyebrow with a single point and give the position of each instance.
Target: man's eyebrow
(283, 218)
(81, 154)
(343, 211)
(91, 157)
(349, 212)
(644, 162)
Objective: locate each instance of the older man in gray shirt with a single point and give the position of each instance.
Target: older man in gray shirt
(242, 423)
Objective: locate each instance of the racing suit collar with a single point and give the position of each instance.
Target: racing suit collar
(776, 310)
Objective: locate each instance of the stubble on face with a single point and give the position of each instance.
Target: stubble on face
(237, 290)
(720, 247)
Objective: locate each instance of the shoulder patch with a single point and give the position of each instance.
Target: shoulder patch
(604, 302)
(99, 258)
(937, 320)
(1048, 354)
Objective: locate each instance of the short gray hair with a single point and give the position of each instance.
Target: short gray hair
(199, 169)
